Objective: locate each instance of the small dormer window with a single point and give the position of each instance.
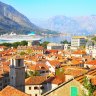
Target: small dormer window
(29, 88)
(42, 68)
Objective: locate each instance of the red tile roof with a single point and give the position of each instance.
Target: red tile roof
(52, 51)
(35, 80)
(93, 80)
(54, 62)
(92, 62)
(79, 52)
(74, 71)
(11, 91)
(3, 47)
(56, 80)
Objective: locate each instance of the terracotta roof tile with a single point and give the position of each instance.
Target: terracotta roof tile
(54, 62)
(93, 80)
(55, 80)
(79, 52)
(92, 62)
(35, 80)
(11, 91)
(74, 71)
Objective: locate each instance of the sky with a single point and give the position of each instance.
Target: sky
(49, 8)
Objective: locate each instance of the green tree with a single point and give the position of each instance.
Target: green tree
(23, 43)
(65, 42)
(26, 75)
(36, 73)
(31, 73)
(60, 73)
(82, 47)
(22, 53)
(88, 85)
(29, 51)
(6, 44)
(16, 44)
(94, 38)
(44, 44)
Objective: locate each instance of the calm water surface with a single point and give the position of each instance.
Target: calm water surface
(57, 39)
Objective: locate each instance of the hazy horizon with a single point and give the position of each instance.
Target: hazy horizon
(43, 9)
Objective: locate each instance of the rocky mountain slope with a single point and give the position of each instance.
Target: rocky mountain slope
(83, 25)
(12, 20)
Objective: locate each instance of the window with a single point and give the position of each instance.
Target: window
(42, 87)
(0, 84)
(35, 87)
(19, 61)
(5, 81)
(43, 72)
(12, 77)
(29, 88)
(42, 67)
(47, 71)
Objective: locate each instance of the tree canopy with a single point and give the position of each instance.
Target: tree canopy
(89, 86)
(65, 42)
(44, 44)
(94, 38)
(15, 44)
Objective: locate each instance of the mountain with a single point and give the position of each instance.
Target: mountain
(12, 20)
(83, 25)
(87, 22)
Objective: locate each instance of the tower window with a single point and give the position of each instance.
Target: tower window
(19, 61)
(12, 77)
(0, 84)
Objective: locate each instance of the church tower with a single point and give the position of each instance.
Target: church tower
(17, 73)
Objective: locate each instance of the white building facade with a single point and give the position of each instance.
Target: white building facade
(55, 46)
(91, 49)
(77, 41)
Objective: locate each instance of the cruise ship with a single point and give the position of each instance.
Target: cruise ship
(13, 37)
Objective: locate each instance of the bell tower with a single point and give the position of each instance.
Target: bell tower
(17, 73)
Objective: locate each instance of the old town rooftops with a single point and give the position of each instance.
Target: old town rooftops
(30, 47)
(92, 62)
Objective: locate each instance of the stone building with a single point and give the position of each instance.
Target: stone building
(17, 73)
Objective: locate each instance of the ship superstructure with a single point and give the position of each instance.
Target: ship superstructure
(15, 37)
